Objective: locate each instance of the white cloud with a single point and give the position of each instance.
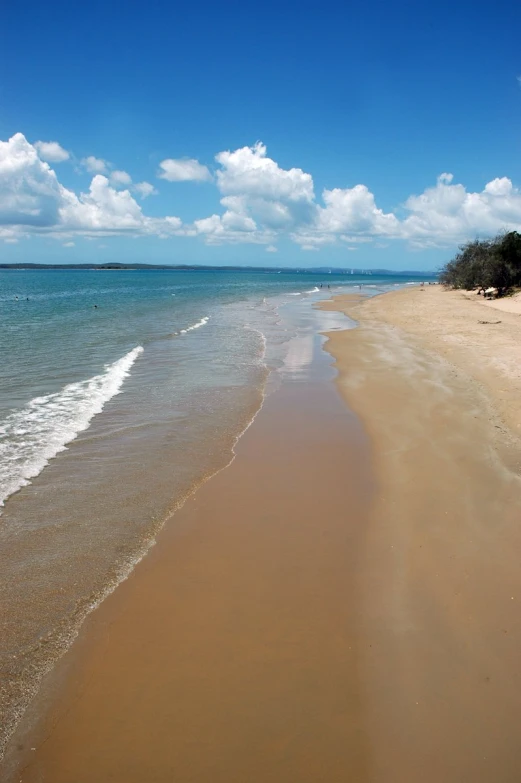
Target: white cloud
(272, 249)
(260, 198)
(353, 210)
(307, 238)
(145, 189)
(95, 165)
(231, 228)
(101, 209)
(68, 244)
(183, 170)
(29, 189)
(51, 151)
(10, 235)
(33, 200)
(120, 178)
(355, 239)
(249, 172)
(448, 214)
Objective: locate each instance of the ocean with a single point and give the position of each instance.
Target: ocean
(120, 392)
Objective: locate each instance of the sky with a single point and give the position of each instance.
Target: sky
(343, 134)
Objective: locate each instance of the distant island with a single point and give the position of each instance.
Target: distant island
(223, 268)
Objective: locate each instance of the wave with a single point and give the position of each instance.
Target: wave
(33, 435)
(301, 293)
(200, 323)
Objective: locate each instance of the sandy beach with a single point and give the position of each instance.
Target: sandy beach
(342, 602)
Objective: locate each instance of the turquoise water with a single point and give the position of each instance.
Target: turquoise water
(120, 391)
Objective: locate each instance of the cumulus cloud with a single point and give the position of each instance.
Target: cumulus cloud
(259, 197)
(68, 244)
(145, 189)
(354, 210)
(231, 228)
(183, 170)
(101, 209)
(248, 171)
(33, 200)
(272, 249)
(51, 151)
(94, 165)
(448, 214)
(120, 178)
(30, 193)
(442, 216)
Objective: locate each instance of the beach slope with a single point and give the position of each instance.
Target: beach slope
(342, 602)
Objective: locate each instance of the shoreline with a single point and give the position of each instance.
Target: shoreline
(245, 611)
(300, 621)
(22, 674)
(58, 643)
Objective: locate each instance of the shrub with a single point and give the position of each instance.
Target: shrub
(489, 263)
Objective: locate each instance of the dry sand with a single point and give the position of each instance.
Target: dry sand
(286, 630)
(508, 304)
(463, 329)
(439, 393)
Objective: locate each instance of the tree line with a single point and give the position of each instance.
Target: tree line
(486, 263)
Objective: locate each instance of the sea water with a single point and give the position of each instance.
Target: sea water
(120, 392)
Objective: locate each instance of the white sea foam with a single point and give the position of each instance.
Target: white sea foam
(313, 290)
(33, 435)
(200, 323)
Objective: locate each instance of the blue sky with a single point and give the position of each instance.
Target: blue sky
(366, 135)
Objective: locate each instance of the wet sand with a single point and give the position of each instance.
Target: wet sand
(231, 653)
(298, 622)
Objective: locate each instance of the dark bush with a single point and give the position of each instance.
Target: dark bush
(489, 263)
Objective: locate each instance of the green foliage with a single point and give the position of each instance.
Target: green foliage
(490, 263)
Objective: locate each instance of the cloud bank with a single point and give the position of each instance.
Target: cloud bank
(257, 202)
